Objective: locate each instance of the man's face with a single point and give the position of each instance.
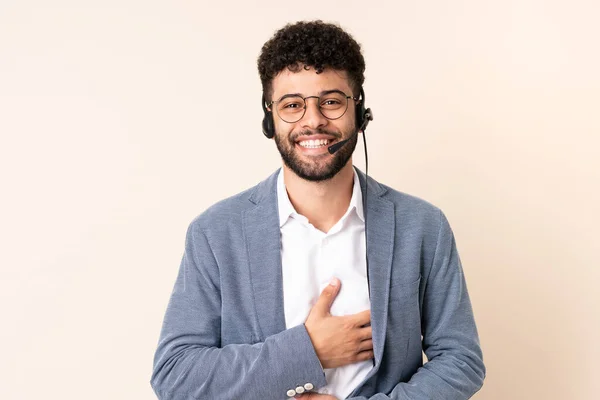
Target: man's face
(301, 144)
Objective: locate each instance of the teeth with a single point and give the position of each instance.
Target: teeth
(313, 143)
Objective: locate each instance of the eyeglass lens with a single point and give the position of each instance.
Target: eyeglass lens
(292, 108)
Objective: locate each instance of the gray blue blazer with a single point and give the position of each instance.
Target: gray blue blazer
(224, 334)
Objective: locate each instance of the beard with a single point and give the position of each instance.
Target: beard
(320, 168)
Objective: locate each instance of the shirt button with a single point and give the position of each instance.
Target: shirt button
(291, 393)
(308, 386)
(299, 390)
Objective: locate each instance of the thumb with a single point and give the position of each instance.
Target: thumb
(328, 295)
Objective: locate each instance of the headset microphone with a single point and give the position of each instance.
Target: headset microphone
(368, 116)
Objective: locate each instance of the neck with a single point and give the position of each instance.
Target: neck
(323, 203)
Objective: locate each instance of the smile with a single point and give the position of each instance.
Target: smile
(314, 144)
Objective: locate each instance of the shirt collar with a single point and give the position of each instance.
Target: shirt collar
(286, 209)
(357, 200)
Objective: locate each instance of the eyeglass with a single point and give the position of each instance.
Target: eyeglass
(332, 104)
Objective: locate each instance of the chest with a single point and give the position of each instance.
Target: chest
(310, 258)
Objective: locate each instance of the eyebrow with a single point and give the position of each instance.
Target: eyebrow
(321, 93)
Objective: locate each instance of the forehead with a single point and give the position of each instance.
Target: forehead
(309, 83)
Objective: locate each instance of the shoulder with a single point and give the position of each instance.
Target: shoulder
(409, 207)
(229, 211)
(415, 216)
(224, 210)
(409, 210)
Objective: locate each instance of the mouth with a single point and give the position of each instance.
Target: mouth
(314, 143)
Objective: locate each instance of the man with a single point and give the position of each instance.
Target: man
(281, 294)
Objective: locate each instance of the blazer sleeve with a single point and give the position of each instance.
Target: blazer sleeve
(190, 363)
(455, 370)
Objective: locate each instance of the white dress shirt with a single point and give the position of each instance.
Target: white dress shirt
(310, 258)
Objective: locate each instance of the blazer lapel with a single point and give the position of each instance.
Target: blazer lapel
(263, 240)
(380, 218)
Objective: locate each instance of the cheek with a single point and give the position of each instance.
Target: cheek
(283, 130)
(347, 126)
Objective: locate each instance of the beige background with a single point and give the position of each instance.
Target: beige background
(116, 131)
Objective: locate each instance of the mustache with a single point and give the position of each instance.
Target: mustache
(308, 132)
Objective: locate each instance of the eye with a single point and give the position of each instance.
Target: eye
(331, 103)
(292, 105)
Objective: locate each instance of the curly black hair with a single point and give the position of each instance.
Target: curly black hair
(313, 44)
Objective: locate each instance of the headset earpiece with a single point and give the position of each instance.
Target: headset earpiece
(268, 127)
(359, 110)
(363, 115)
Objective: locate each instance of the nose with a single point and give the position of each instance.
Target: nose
(313, 119)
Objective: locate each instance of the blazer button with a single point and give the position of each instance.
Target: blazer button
(299, 390)
(308, 386)
(291, 393)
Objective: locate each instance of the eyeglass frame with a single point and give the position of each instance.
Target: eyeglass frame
(324, 93)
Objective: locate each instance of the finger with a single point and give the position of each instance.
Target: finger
(365, 345)
(328, 295)
(365, 333)
(362, 318)
(305, 396)
(364, 355)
